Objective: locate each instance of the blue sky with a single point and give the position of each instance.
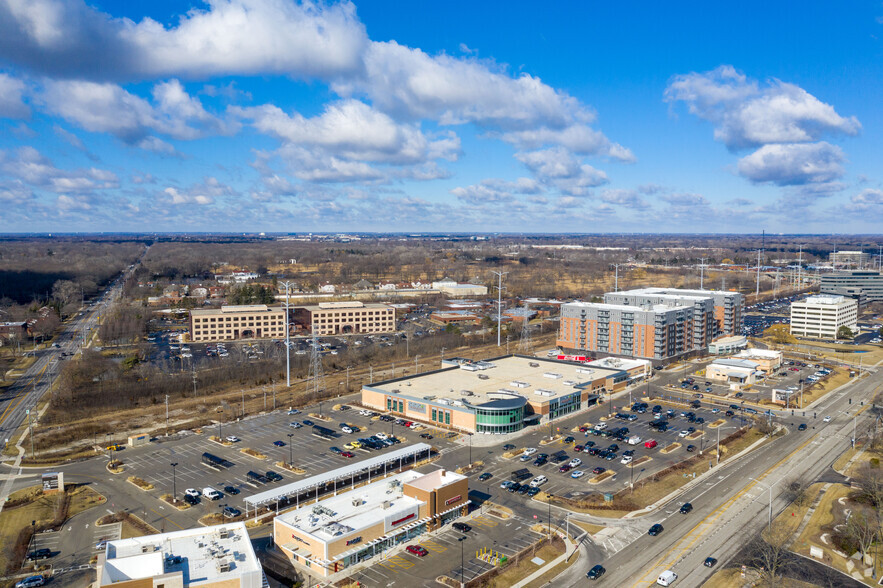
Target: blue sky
(272, 115)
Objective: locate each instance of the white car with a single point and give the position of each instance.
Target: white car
(295, 425)
(232, 439)
(575, 462)
(293, 411)
(530, 450)
(382, 436)
(827, 419)
(192, 492)
(346, 430)
(365, 412)
(683, 433)
(626, 459)
(577, 474)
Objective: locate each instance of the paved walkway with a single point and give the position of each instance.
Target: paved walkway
(569, 548)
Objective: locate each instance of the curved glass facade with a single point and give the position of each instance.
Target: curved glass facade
(507, 420)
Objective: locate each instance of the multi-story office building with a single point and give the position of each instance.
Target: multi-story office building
(346, 318)
(853, 258)
(717, 313)
(863, 286)
(822, 316)
(252, 321)
(652, 331)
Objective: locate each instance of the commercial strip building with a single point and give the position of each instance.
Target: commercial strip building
(768, 360)
(330, 535)
(208, 557)
(453, 288)
(251, 321)
(863, 286)
(822, 316)
(501, 395)
(728, 345)
(345, 318)
(738, 373)
(652, 323)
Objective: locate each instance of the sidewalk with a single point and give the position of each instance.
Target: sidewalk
(569, 548)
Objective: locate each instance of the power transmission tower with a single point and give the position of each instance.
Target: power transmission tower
(287, 339)
(524, 342)
(702, 273)
(315, 378)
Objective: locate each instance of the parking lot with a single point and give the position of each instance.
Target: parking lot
(270, 435)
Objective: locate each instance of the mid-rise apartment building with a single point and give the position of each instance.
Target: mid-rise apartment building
(717, 313)
(343, 318)
(822, 316)
(864, 286)
(248, 321)
(652, 331)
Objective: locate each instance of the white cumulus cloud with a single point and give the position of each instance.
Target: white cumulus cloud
(793, 164)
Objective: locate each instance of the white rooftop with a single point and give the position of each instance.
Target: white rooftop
(620, 363)
(353, 511)
(822, 299)
(202, 555)
(633, 307)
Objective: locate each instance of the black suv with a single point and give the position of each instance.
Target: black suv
(462, 527)
(191, 500)
(596, 572)
(655, 530)
(686, 508)
(231, 490)
(43, 553)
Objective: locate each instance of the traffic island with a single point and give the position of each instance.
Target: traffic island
(133, 526)
(115, 466)
(601, 477)
(319, 417)
(142, 484)
(290, 468)
(640, 461)
(179, 504)
(695, 435)
(465, 470)
(513, 454)
(717, 423)
(252, 453)
(670, 448)
(554, 439)
(215, 439)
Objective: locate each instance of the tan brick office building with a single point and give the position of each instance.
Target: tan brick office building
(252, 321)
(345, 318)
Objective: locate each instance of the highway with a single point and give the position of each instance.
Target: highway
(19, 402)
(735, 502)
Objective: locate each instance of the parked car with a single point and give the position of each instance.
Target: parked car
(295, 425)
(485, 477)
(279, 443)
(650, 444)
(30, 582)
(231, 490)
(43, 553)
(232, 439)
(462, 527)
(691, 448)
(231, 512)
(191, 492)
(802, 427)
(577, 474)
(416, 550)
(598, 470)
(191, 500)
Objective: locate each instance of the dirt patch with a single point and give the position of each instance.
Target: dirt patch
(128, 519)
(180, 504)
(670, 448)
(140, 483)
(252, 453)
(588, 527)
(640, 461)
(601, 477)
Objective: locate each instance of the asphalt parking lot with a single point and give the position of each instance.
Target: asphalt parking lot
(153, 463)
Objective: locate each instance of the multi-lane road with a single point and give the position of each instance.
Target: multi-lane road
(19, 403)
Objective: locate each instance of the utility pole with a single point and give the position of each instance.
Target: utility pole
(499, 302)
(243, 403)
(616, 277)
(287, 338)
(757, 288)
(167, 415)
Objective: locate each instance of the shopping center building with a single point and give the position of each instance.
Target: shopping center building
(330, 535)
(501, 395)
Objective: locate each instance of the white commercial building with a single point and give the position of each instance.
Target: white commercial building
(208, 557)
(822, 316)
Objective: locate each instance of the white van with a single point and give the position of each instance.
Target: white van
(211, 493)
(666, 578)
(634, 440)
(538, 481)
(600, 426)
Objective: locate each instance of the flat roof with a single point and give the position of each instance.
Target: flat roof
(203, 554)
(619, 363)
(346, 471)
(237, 308)
(345, 306)
(536, 379)
(738, 363)
(632, 307)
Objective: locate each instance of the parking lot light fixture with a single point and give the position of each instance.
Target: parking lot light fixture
(174, 482)
(460, 540)
(290, 458)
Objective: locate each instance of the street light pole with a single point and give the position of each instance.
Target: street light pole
(460, 541)
(174, 483)
(290, 458)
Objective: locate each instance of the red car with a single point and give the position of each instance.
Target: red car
(650, 444)
(598, 470)
(416, 550)
(347, 454)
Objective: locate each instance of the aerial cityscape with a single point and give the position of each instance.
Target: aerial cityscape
(345, 294)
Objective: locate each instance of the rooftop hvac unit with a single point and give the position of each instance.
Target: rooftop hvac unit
(483, 377)
(552, 376)
(358, 502)
(386, 504)
(581, 370)
(467, 392)
(223, 533)
(150, 548)
(533, 364)
(569, 383)
(519, 384)
(223, 565)
(457, 403)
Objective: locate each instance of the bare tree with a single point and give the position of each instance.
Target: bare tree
(768, 554)
(861, 528)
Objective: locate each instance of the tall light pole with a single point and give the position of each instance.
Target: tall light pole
(174, 482)
(290, 457)
(287, 337)
(460, 541)
(499, 302)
